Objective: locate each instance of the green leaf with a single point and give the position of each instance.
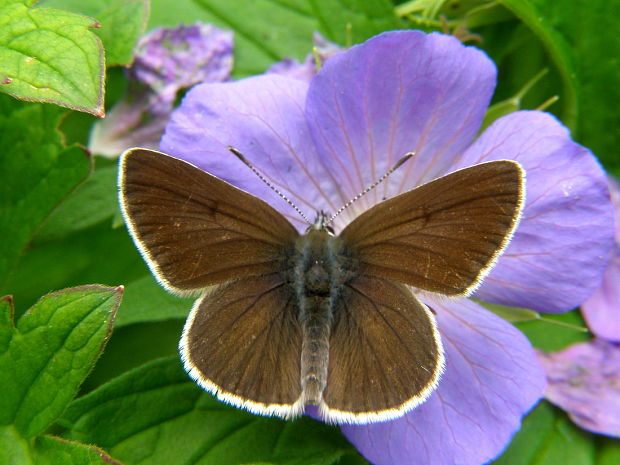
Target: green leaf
(47, 450)
(50, 450)
(548, 437)
(49, 55)
(98, 254)
(608, 451)
(6, 321)
(265, 30)
(122, 23)
(509, 105)
(555, 331)
(91, 203)
(14, 449)
(171, 13)
(349, 22)
(558, 50)
(145, 300)
(159, 404)
(589, 27)
(133, 346)
(353, 459)
(576, 40)
(512, 314)
(47, 355)
(88, 8)
(36, 173)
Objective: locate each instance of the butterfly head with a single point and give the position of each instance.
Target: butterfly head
(321, 223)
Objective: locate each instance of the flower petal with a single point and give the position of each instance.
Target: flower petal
(584, 380)
(292, 68)
(399, 92)
(263, 118)
(492, 379)
(559, 252)
(602, 309)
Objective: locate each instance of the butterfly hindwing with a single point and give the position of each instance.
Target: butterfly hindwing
(443, 236)
(385, 353)
(243, 342)
(193, 229)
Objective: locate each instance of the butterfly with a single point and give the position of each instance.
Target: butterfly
(284, 319)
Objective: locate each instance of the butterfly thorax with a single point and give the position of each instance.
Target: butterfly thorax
(321, 265)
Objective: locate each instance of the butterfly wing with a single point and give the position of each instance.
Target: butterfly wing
(443, 236)
(385, 353)
(193, 229)
(242, 342)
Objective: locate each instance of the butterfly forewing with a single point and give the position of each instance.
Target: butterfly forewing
(194, 229)
(443, 236)
(385, 353)
(243, 343)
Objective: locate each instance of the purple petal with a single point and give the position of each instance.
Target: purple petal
(292, 68)
(492, 379)
(602, 309)
(614, 191)
(263, 118)
(584, 380)
(562, 245)
(399, 92)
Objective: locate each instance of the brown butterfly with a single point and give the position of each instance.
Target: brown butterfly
(287, 319)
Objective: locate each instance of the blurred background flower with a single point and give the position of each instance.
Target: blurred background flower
(167, 61)
(584, 380)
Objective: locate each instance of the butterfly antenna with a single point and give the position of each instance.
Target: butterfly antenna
(240, 156)
(398, 164)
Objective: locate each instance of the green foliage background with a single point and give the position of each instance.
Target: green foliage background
(60, 224)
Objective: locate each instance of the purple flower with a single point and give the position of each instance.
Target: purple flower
(324, 141)
(584, 380)
(602, 309)
(167, 61)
